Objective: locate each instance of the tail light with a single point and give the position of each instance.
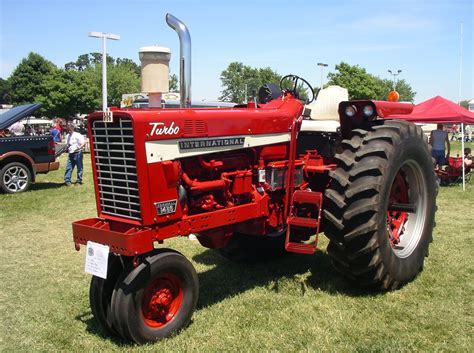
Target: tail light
(51, 147)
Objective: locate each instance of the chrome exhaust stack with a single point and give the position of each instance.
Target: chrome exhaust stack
(184, 59)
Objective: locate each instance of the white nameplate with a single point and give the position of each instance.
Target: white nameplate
(97, 256)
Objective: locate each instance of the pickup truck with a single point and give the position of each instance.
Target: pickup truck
(22, 157)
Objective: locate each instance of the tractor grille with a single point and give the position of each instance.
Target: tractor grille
(114, 153)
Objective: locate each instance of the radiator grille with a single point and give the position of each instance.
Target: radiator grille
(114, 153)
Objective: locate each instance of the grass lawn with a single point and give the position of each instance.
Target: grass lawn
(292, 304)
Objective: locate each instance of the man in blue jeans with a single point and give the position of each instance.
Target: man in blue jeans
(75, 145)
(439, 142)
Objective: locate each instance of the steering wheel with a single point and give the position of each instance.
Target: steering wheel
(294, 90)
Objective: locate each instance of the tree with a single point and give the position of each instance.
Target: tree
(5, 97)
(359, 83)
(174, 83)
(27, 78)
(94, 61)
(402, 87)
(464, 104)
(121, 79)
(362, 85)
(57, 101)
(129, 63)
(69, 93)
(240, 80)
(85, 61)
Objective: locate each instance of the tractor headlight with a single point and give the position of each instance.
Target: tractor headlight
(350, 111)
(368, 110)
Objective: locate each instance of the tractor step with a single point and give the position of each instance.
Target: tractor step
(308, 202)
(301, 248)
(303, 222)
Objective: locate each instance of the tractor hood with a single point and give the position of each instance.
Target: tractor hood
(15, 114)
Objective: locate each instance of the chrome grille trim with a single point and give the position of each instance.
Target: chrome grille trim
(116, 169)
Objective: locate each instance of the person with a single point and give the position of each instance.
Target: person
(438, 141)
(75, 145)
(467, 157)
(56, 134)
(17, 129)
(454, 132)
(468, 133)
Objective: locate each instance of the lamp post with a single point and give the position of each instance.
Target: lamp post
(395, 76)
(322, 65)
(104, 37)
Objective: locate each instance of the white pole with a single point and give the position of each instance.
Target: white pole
(104, 37)
(462, 123)
(460, 66)
(322, 65)
(322, 68)
(462, 153)
(104, 74)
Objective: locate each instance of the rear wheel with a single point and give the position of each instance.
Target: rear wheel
(157, 298)
(381, 204)
(15, 177)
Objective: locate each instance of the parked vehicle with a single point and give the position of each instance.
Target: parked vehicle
(249, 182)
(23, 157)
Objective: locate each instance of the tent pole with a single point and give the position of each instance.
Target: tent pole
(462, 153)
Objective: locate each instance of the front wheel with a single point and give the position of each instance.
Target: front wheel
(157, 298)
(14, 178)
(381, 205)
(100, 293)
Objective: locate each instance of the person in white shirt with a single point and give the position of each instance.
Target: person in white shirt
(440, 143)
(75, 146)
(17, 129)
(468, 133)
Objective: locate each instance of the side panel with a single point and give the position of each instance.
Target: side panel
(164, 150)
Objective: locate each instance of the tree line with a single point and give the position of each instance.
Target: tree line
(240, 81)
(76, 88)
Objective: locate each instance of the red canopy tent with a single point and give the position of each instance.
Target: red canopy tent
(438, 110)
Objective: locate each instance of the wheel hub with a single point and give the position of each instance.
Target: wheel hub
(162, 300)
(407, 209)
(15, 179)
(396, 219)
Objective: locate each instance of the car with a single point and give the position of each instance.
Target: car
(22, 157)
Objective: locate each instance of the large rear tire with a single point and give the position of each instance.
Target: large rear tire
(157, 298)
(381, 205)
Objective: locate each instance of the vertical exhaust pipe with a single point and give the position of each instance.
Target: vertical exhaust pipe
(184, 59)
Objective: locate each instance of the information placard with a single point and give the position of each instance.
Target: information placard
(96, 259)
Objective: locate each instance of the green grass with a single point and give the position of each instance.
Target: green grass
(292, 304)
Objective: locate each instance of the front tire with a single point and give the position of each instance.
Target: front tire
(15, 177)
(381, 204)
(157, 298)
(100, 293)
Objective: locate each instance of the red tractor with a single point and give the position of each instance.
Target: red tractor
(249, 182)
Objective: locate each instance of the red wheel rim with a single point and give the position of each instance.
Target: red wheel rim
(396, 219)
(162, 300)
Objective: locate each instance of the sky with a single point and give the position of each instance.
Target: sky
(421, 38)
